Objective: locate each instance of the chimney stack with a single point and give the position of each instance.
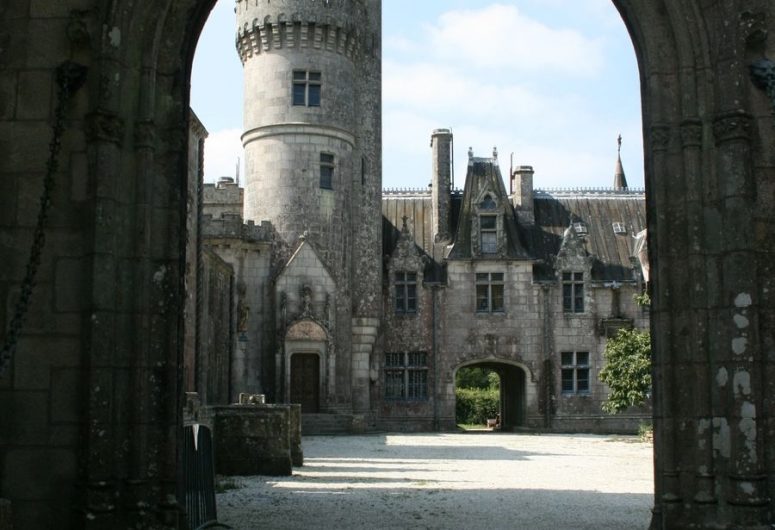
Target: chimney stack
(522, 184)
(441, 145)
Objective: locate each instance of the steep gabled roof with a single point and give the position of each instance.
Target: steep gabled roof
(484, 177)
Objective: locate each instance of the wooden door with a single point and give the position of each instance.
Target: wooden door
(305, 381)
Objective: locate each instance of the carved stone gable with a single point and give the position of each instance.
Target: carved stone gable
(573, 254)
(407, 255)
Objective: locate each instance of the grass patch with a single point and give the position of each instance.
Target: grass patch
(471, 426)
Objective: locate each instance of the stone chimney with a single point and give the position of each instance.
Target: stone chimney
(441, 145)
(522, 186)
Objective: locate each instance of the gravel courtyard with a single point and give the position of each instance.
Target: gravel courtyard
(450, 481)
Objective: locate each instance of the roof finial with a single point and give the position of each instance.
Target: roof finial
(620, 181)
(470, 152)
(405, 228)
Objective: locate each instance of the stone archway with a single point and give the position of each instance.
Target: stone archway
(709, 134)
(517, 389)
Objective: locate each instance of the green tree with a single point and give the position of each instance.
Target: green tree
(475, 377)
(627, 370)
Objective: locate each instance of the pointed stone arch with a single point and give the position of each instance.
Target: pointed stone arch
(708, 138)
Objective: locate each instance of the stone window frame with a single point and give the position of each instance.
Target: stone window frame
(327, 168)
(306, 88)
(575, 369)
(406, 376)
(490, 287)
(403, 303)
(573, 291)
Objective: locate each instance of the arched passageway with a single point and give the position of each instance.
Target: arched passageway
(512, 393)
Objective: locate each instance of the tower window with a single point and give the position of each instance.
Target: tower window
(406, 292)
(573, 292)
(489, 292)
(306, 88)
(326, 171)
(488, 234)
(575, 372)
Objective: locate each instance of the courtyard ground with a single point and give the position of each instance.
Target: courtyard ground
(451, 481)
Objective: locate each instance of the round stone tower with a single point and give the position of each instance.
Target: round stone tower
(313, 156)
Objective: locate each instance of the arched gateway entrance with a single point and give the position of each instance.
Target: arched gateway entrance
(513, 391)
(709, 134)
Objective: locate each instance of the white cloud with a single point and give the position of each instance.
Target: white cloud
(222, 148)
(433, 88)
(500, 36)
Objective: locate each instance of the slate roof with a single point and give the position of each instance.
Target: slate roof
(598, 209)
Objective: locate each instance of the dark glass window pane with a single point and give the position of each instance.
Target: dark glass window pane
(314, 76)
(567, 381)
(394, 359)
(578, 276)
(411, 276)
(482, 277)
(582, 380)
(582, 358)
(418, 384)
(497, 276)
(578, 298)
(567, 358)
(326, 177)
(394, 384)
(314, 96)
(411, 298)
(567, 298)
(482, 298)
(400, 300)
(326, 158)
(418, 359)
(299, 75)
(497, 297)
(299, 93)
(566, 276)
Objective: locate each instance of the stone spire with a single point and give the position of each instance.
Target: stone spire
(620, 181)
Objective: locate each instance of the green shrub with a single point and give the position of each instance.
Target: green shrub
(627, 370)
(476, 405)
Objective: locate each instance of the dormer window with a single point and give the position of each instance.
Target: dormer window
(580, 228)
(488, 234)
(619, 228)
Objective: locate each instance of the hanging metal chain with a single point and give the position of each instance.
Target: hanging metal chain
(70, 77)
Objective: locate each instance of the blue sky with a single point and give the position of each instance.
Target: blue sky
(552, 81)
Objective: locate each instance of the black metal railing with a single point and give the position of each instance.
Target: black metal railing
(198, 477)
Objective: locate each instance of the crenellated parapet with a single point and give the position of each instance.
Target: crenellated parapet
(336, 26)
(231, 226)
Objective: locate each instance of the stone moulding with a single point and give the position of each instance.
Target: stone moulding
(732, 126)
(263, 37)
